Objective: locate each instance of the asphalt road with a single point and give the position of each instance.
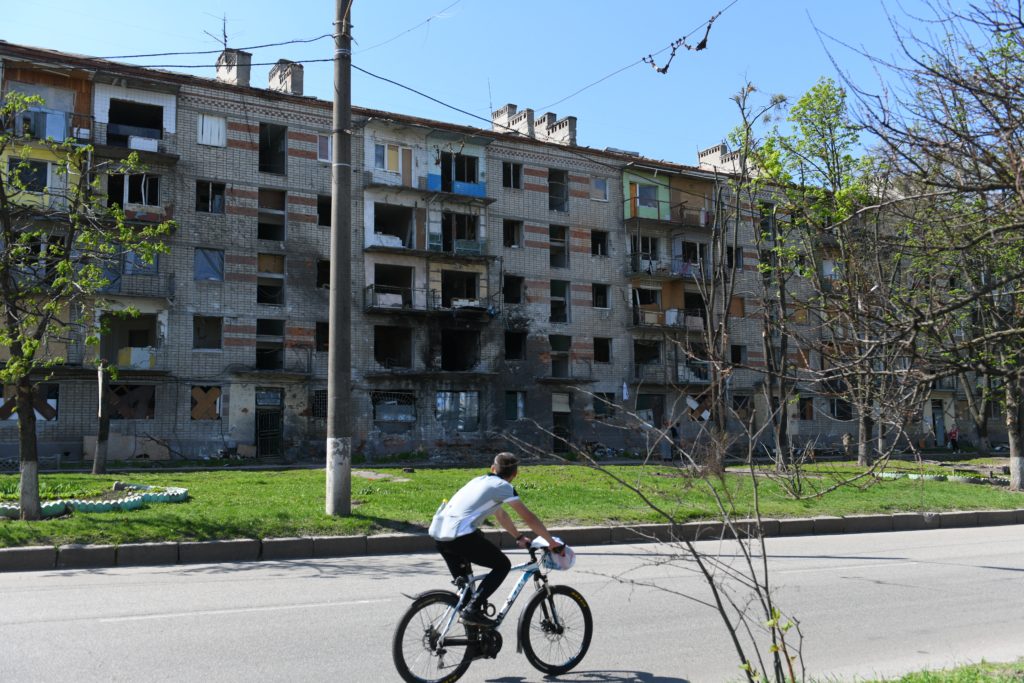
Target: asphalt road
(867, 603)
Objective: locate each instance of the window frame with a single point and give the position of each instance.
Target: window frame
(512, 175)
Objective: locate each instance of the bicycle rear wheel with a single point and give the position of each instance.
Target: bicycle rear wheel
(555, 630)
(420, 655)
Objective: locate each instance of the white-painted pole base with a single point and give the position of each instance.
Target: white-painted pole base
(339, 476)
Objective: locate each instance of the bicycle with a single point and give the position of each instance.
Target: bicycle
(431, 645)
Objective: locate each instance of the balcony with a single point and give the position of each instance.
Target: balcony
(456, 247)
(693, 372)
(650, 373)
(388, 299)
(654, 212)
(42, 124)
(566, 371)
(155, 286)
(691, 320)
(653, 266)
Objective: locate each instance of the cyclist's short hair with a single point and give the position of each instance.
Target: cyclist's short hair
(505, 464)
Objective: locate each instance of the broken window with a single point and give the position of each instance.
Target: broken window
(805, 408)
(515, 405)
(558, 246)
(512, 289)
(460, 350)
(270, 220)
(458, 410)
(459, 233)
(734, 257)
(209, 196)
(323, 210)
(323, 274)
(459, 289)
(646, 352)
(387, 157)
(645, 296)
(559, 301)
(270, 279)
(741, 405)
(560, 345)
(33, 175)
(600, 295)
(602, 350)
(318, 403)
(561, 422)
(651, 408)
(208, 264)
(131, 401)
(645, 246)
(137, 188)
(766, 216)
(558, 190)
(135, 264)
(457, 168)
(738, 354)
(397, 223)
(512, 233)
(515, 346)
(211, 130)
(44, 401)
(598, 243)
(269, 327)
(206, 332)
(324, 148)
(604, 404)
(206, 403)
(322, 336)
(269, 355)
(511, 175)
(843, 410)
(273, 148)
(599, 189)
(127, 120)
(392, 346)
(394, 412)
(392, 286)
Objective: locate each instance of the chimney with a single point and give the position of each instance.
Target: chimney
(551, 129)
(718, 158)
(286, 77)
(233, 67)
(509, 117)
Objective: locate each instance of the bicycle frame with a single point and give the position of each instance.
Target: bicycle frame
(531, 569)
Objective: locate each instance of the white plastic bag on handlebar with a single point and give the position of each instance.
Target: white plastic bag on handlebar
(556, 561)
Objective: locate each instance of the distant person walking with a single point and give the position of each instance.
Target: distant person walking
(954, 438)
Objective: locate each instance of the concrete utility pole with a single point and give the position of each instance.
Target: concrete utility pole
(339, 357)
(99, 456)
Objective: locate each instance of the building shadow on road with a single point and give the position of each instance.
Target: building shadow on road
(598, 677)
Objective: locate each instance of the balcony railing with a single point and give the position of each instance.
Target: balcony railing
(456, 247)
(385, 297)
(669, 267)
(649, 372)
(673, 317)
(667, 212)
(157, 285)
(564, 368)
(693, 372)
(141, 358)
(59, 125)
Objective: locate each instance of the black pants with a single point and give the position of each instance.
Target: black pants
(475, 548)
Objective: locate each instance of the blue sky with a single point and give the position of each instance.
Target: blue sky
(473, 54)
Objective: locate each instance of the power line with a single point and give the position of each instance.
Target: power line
(215, 52)
(422, 23)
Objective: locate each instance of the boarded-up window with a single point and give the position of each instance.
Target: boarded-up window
(270, 263)
(208, 264)
(132, 401)
(44, 400)
(737, 307)
(206, 403)
(211, 130)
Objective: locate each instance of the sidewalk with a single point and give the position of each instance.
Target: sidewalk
(41, 558)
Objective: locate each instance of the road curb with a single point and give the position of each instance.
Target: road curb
(75, 556)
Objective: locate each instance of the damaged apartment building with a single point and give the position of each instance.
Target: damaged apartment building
(509, 286)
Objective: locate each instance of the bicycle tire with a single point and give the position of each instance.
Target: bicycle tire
(415, 654)
(554, 648)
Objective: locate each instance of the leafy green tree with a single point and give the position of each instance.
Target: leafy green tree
(60, 241)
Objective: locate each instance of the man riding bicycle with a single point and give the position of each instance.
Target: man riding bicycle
(460, 541)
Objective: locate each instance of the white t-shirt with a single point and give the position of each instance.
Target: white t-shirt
(470, 505)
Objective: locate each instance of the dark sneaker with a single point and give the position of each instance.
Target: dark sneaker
(475, 617)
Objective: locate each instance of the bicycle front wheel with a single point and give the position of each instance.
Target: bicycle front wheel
(420, 655)
(555, 630)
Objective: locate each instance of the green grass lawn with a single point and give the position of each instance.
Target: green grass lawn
(973, 673)
(235, 504)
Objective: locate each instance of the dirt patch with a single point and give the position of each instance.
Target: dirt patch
(366, 474)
